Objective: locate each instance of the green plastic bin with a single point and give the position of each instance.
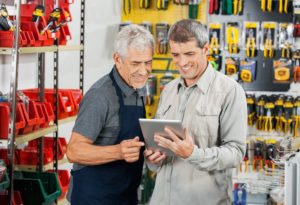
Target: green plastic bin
(5, 182)
(37, 188)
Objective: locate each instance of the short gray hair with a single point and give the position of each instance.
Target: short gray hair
(186, 30)
(133, 36)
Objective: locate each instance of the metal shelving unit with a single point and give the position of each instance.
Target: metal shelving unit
(14, 140)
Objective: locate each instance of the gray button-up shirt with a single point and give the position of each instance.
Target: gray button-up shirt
(215, 113)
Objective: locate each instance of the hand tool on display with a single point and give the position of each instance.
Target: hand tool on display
(144, 4)
(5, 23)
(214, 43)
(247, 70)
(38, 12)
(282, 74)
(193, 9)
(296, 117)
(232, 38)
(214, 7)
(237, 7)
(215, 61)
(231, 65)
(250, 108)
(227, 7)
(260, 111)
(246, 159)
(283, 6)
(127, 6)
(150, 89)
(297, 73)
(285, 39)
(181, 2)
(266, 5)
(279, 112)
(267, 120)
(287, 114)
(296, 32)
(258, 154)
(162, 38)
(270, 153)
(250, 44)
(239, 194)
(268, 45)
(67, 19)
(162, 4)
(54, 17)
(147, 26)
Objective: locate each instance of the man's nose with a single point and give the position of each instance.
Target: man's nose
(182, 61)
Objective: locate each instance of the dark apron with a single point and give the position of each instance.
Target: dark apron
(114, 183)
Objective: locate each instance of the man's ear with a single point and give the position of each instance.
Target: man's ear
(206, 48)
(117, 59)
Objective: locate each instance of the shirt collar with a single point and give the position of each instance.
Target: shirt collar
(204, 81)
(126, 89)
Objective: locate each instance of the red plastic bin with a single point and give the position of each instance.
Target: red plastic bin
(4, 156)
(28, 156)
(17, 198)
(65, 102)
(7, 37)
(31, 117)
(41, 116)
(48, 114)
(65, 35)
(30, 38)
(49, 143)
(77, 96)
(4, 119)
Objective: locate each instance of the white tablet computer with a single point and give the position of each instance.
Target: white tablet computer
(150, 127)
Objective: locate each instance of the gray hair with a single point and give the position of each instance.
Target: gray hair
(133, 36)
(186, 30)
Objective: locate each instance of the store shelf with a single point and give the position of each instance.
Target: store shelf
(5, 51)
(20, 139)
(38, 49)
(67, 120)
(71, 48)
(43, 49)
(32, 168)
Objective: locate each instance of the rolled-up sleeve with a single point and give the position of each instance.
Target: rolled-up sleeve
(232, 132)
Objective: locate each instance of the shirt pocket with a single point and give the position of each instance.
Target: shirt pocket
(207, 121)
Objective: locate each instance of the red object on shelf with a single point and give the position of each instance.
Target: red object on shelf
(41, 117)
(30, 115)
(4, 119)
(48, 113)
(7, 38)
(66, 105)
(77, 96)
(49, 144)
(4, 156)
(17, 198)
(28, 155)
(65, 35)
(63, 180)
(30, 38)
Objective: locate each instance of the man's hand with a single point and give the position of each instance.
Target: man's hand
(154, 157)
(130, 149)
(182, 148)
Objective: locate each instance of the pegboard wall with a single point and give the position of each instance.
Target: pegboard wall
(264, 70)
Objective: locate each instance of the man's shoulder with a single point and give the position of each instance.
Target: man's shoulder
(223, 83)
(103, 86)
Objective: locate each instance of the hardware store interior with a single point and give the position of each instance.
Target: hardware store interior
(159, 102)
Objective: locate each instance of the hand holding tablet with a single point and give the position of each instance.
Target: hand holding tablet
(151, 127)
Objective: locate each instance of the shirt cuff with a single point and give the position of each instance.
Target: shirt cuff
(197, 154)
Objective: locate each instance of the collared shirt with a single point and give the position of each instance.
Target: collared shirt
(215, 114)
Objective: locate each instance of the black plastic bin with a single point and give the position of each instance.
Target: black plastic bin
(37, 188)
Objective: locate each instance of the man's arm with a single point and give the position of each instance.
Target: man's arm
(82, 151)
